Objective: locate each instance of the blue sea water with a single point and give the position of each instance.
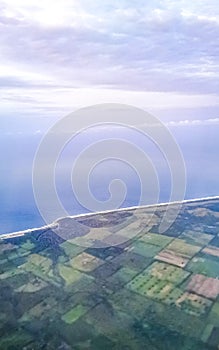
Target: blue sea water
(199, 145)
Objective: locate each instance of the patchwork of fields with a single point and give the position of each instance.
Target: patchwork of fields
(112, 281)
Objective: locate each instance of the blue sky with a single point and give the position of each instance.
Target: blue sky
(56, 56)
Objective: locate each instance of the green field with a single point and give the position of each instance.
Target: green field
(116, 284)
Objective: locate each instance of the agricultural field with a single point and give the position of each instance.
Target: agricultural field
(111, 281)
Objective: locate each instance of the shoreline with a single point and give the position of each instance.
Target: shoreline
(54, 224)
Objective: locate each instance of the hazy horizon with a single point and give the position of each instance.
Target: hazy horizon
(57, 57)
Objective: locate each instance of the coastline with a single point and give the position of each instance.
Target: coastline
(4, 236)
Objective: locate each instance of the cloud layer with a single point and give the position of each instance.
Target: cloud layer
(157, 46)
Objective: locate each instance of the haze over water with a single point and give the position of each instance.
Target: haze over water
(19, 210)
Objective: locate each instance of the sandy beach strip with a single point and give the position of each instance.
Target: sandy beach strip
(54, 224)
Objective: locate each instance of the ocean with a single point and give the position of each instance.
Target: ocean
(19, 211)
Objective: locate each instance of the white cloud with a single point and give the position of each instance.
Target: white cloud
(194, 122)
(109, 51)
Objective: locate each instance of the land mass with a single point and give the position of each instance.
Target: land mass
(112, 281)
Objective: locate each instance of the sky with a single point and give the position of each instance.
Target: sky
(57, 56)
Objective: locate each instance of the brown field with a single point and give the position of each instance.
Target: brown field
(205, 286)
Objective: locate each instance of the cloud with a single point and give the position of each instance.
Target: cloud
(166, 47)
(195, 122)
(137, 47)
